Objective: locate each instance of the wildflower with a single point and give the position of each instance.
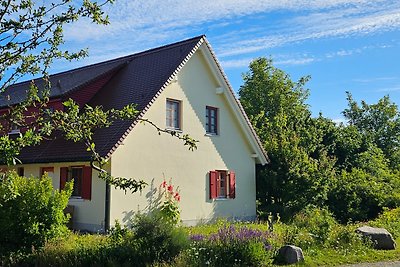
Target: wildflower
(170, 188)
(164, 184)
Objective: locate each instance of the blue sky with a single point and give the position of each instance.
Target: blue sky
(344, 45)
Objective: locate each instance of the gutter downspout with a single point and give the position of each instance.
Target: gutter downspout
(107, 208)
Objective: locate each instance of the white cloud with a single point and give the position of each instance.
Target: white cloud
(389, 89)
(342, 22)
(375, 79)
(138, 25)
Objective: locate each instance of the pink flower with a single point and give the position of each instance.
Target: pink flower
(163, 184)
(170, 188)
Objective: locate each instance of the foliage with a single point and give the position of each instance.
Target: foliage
(219, 244)
(32, 36)
(155, 239)
(169, 209)
(377, 123)
(300, 169)
(231, 246)
(389, 220)
(74, 250)
(31, 211)
(359, 195)
(352, 168)
(316, 229)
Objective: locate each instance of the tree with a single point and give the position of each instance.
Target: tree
(31, 36)
(378, 124)
(300, 170)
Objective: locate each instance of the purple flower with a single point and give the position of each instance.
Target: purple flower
(198, 237)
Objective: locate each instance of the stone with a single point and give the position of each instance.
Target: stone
(381, 238)
(290, 254)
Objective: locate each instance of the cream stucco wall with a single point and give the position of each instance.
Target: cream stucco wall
(88, 214)
(146, 155)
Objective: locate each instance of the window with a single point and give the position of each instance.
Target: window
(82, 176)
(173, 116)
(222, 184)
(46, 169)
(211, 120)
(20, 171)
(14, 129)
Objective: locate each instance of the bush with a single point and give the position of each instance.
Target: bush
(155, 239)
(230, 246)
(315, 228)
(75, 250)
(361, 196)
(389, 220)
(31, 212)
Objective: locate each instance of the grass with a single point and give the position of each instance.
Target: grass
(323, 240)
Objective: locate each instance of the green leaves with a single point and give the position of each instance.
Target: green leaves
(352, 168)
(31, 211)
(31, 33)
(300, 166)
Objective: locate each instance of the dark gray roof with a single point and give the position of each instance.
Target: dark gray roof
(135, 79)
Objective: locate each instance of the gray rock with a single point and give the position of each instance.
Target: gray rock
(290, 254)
(381, 238)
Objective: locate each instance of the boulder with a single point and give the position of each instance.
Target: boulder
(290, 254)
(381, 238)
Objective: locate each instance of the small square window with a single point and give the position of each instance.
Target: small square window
(173, 114)
(211, 120)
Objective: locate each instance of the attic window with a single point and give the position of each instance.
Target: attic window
(211, 120)
(173, 114)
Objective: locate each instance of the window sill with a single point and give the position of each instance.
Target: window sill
(221, 199)
(76, 199)
(211, 134)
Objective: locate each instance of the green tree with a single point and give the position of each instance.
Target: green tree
(300, 169)
(378, 124)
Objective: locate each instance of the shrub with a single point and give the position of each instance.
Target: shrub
(31, 211)
(316, 229)
(230, 246)
(75, 250)
(155, 239)
(389, 220)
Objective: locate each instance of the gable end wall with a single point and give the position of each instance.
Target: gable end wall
(146, 155)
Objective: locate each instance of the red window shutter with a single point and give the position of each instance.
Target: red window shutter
(232, 184)
(63, 177)
(213, 184)
(87, 182)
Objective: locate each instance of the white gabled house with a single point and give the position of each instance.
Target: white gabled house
(181, 87)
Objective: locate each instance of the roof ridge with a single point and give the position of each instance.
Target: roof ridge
(113, 60)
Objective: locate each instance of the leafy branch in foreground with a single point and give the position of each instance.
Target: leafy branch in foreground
(79, 126)
(31, 34)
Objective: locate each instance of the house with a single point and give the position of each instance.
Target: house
(181, 87)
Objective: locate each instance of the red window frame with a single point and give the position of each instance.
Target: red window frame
(85, 181)
(46, 169)
(222, 184)
(211, 120)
